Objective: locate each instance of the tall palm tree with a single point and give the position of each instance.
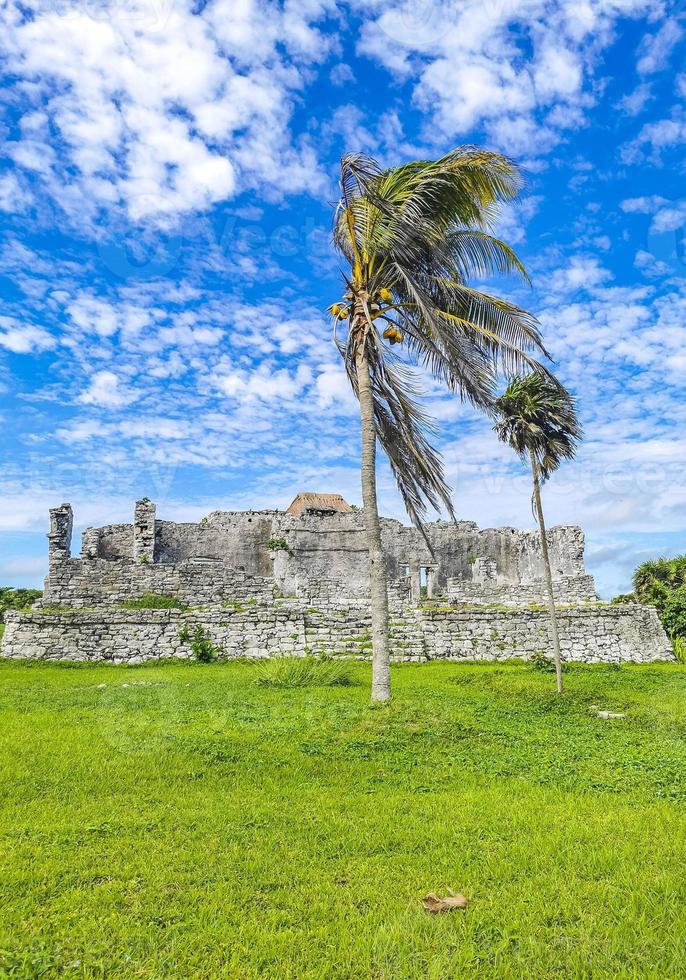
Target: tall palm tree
(537, 418)
(412, 238)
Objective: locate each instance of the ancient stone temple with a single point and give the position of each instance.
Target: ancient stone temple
(263, 583)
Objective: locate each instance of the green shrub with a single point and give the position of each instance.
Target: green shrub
(673, 612)
(201, 644)
(304, 672)
(539, 661)
(16, 599)
(153, 600)
(278, 544)
(680, 649)
(233, 604)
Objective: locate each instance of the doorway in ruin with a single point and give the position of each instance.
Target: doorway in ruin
(427, 578)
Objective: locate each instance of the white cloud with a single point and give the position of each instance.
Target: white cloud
(658, 136)
(670, 218)
(14, 568)
(650, 266)
(656, 49)
(666, 215)
(162, 114)
(643, 205)
(14, 197)
(519, 69)
(558, 71)
(333, 391)
(184, 335)
(82, 431)
(635, 102)
(22, 338)
(341, 74)
(513, 218)
(107, 390)
(582, 272)
(264, 384)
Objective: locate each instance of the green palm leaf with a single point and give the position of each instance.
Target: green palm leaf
(421, 232)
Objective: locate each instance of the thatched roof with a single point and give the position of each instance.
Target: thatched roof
(331, 503)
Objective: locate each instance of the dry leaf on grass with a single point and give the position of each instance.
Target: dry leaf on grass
(432, 903)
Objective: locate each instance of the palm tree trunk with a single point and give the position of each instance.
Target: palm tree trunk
(548, 574)
(381, 666)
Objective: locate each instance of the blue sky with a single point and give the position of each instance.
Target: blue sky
(166, 183)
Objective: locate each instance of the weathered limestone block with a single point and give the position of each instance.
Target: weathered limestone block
(144, 532)
(484, 570)
(59, 538)
(90, 541)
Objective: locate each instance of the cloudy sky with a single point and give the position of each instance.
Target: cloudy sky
(166, 182)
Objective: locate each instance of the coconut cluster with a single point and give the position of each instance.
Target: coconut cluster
(393, 335)
(376, 309)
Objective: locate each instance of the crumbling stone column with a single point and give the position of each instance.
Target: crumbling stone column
(144, 532)
(59, 538)
(415, 581)
(90, 541)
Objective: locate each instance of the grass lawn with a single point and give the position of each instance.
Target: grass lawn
(181, 821)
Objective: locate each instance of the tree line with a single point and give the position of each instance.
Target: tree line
(662, 583)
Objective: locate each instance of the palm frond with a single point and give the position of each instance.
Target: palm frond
(538, 415)
(419, 233)
(403, 429)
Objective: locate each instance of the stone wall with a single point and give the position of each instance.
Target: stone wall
(322, 553)
(335, 548)
(195, 582)
(591, 634)
(580, 588)
(238, 538)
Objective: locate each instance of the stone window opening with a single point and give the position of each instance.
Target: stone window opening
(426, 581)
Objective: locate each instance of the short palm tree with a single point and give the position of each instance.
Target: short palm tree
(654, 577)
(412, 237)
(537, 418)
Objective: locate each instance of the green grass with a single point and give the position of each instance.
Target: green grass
(288, 672)
(183, 821)
(154, 600)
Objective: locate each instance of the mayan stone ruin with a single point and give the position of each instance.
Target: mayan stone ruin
(276, 583)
